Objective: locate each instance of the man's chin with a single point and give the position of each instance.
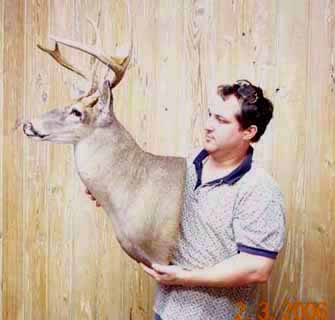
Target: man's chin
(209, 147)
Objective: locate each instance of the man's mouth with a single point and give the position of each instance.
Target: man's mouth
(209, 137)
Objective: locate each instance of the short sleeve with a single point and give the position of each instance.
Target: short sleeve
(259, 220)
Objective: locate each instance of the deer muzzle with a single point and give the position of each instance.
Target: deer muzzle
(30, 131)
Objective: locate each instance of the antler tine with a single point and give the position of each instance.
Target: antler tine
(56, 54)
(96, 31)
(111, 62)
(94, 63)
(118, 65)
(125, 62)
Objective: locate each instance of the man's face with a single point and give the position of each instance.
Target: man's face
(222, 130)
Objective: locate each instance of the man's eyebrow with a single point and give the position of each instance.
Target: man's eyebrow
(218, 115)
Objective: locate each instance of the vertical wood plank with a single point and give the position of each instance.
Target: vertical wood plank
(320, 154)
(60, 173)
(289, 162)
(35, 168)
(195, 17)
(226, 29)
(13, 100)
(168, 124)
(2, 155)
(327, 127)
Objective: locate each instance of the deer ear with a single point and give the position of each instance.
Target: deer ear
(106, 97)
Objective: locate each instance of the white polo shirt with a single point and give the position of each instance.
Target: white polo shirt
(241, 212)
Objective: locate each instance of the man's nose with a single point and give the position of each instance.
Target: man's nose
(209, 126)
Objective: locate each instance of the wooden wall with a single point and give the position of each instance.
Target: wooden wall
(59, 259)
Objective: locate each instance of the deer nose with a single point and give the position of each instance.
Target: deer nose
(27, 126)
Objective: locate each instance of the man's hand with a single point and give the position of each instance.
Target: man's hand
(168, 275)
(97, 204)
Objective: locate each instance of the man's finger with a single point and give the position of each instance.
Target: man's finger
(161, 268)
(145, 268)
(148, 270)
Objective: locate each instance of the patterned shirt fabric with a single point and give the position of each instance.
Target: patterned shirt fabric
(241, 212)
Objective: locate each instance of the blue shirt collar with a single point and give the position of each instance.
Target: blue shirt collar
(232, 177)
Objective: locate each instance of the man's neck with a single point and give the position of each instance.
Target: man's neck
(218, 165)
(228, 159)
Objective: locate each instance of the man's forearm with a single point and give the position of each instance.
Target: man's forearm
(238, 270)
(235, 271)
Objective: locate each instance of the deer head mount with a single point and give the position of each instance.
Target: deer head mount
(92, 108)
(142, 193)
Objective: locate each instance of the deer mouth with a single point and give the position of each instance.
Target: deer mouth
(30, 131)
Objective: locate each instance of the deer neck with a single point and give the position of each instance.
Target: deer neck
(104, 163)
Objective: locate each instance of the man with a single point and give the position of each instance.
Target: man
(233, 221)
(233, 218)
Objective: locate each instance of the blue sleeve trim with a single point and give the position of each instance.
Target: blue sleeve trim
(259, 252)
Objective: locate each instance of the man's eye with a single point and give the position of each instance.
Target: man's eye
(220, 120)
(76, 112)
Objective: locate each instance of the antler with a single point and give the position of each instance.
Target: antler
(56, 54)
(117, 64)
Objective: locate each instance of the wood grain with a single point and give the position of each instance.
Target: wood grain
(35, 179)
(59, 257)
(12, 149)
(1, 147)
(2, 198)
(61, 189)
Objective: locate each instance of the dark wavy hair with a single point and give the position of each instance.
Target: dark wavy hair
(255, 108)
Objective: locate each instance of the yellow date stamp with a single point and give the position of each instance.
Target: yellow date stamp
(296, 310)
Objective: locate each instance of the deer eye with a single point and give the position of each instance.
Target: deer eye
(76, 112)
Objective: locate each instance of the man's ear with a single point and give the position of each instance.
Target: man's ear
(106, 97)
(250, 132)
